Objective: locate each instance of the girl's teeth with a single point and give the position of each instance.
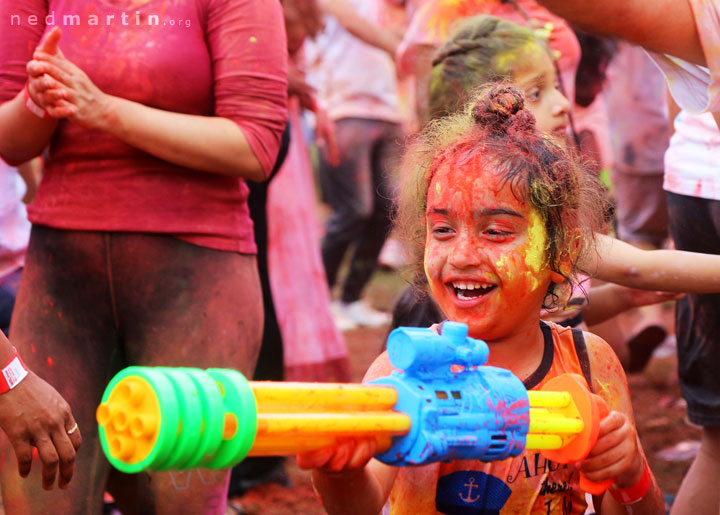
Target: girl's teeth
(470, 286)
(468, 291)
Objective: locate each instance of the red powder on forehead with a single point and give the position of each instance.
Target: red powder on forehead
(467, 170)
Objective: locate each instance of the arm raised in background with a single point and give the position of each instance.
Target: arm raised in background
(618, 262)
(663, 26)
(360, 27)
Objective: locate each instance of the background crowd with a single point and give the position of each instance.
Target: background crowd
(221, 192)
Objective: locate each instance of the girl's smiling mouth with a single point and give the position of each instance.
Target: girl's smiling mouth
(470, 290)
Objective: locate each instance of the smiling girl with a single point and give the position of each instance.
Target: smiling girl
(502, 214)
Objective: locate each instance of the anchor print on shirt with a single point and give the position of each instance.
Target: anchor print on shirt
(471, 492)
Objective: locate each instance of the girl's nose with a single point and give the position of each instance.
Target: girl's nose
(465, 253)
(561, 105)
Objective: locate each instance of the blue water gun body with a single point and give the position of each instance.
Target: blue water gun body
(469, 411)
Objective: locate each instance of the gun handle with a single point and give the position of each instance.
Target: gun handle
(594, 488)
(586, 485)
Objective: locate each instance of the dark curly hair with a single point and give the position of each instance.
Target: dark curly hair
(496, 132)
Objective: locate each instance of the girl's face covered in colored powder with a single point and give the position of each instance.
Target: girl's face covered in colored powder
(484, 252)
(535, 75)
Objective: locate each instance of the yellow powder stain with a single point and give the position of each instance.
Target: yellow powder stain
(605, 387)
(438, 17)
(535, 249)
(537, 243)
(504, 61)
(438, 188)
(608, 391)
(501, 262)
(253, 39)
(533, 280)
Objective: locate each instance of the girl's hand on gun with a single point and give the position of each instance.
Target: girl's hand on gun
(616, 454)
(351, 454)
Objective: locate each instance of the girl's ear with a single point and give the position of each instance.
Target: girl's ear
(568, 260)
(557, 278)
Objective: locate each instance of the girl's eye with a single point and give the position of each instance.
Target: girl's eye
(441, 230)
(533, 94)
(497, 234)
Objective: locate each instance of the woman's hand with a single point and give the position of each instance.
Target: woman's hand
(61, 88)
(34, 414)
(38, 82)
(351, 454)
(616, 454)
(67, 91)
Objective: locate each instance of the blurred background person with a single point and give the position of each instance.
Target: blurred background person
(356, 85)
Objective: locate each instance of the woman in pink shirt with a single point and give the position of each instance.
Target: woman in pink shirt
(142, 250)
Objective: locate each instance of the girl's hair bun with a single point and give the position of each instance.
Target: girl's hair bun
(501, 109)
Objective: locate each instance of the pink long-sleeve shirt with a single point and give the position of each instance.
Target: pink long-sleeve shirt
(201, 57)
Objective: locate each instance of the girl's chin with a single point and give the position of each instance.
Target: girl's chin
(476, 329)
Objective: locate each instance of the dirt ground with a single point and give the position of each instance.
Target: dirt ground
(659, 411)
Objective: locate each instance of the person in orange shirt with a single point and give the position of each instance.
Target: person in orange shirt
(500, 214)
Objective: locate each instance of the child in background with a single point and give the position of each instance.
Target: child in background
(364, 109)
(432, 21)
(503, 214)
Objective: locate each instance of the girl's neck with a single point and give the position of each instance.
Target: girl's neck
(521, 352)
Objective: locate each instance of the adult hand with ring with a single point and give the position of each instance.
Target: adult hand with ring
(34, 414)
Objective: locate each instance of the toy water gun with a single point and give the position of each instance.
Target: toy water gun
(442, 404)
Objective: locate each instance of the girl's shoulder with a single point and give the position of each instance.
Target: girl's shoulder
(596, 346)
(598, 363)
(609, 379)
(601, 354)
(381, 367)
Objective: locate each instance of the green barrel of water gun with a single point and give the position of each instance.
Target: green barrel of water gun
(176, 418)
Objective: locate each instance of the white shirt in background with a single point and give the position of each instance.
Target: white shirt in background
(14, 225)
(692, 163)
(352, 78)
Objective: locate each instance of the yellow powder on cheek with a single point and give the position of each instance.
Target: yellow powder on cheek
(501, 263)
(535, 249)
(536, 243)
